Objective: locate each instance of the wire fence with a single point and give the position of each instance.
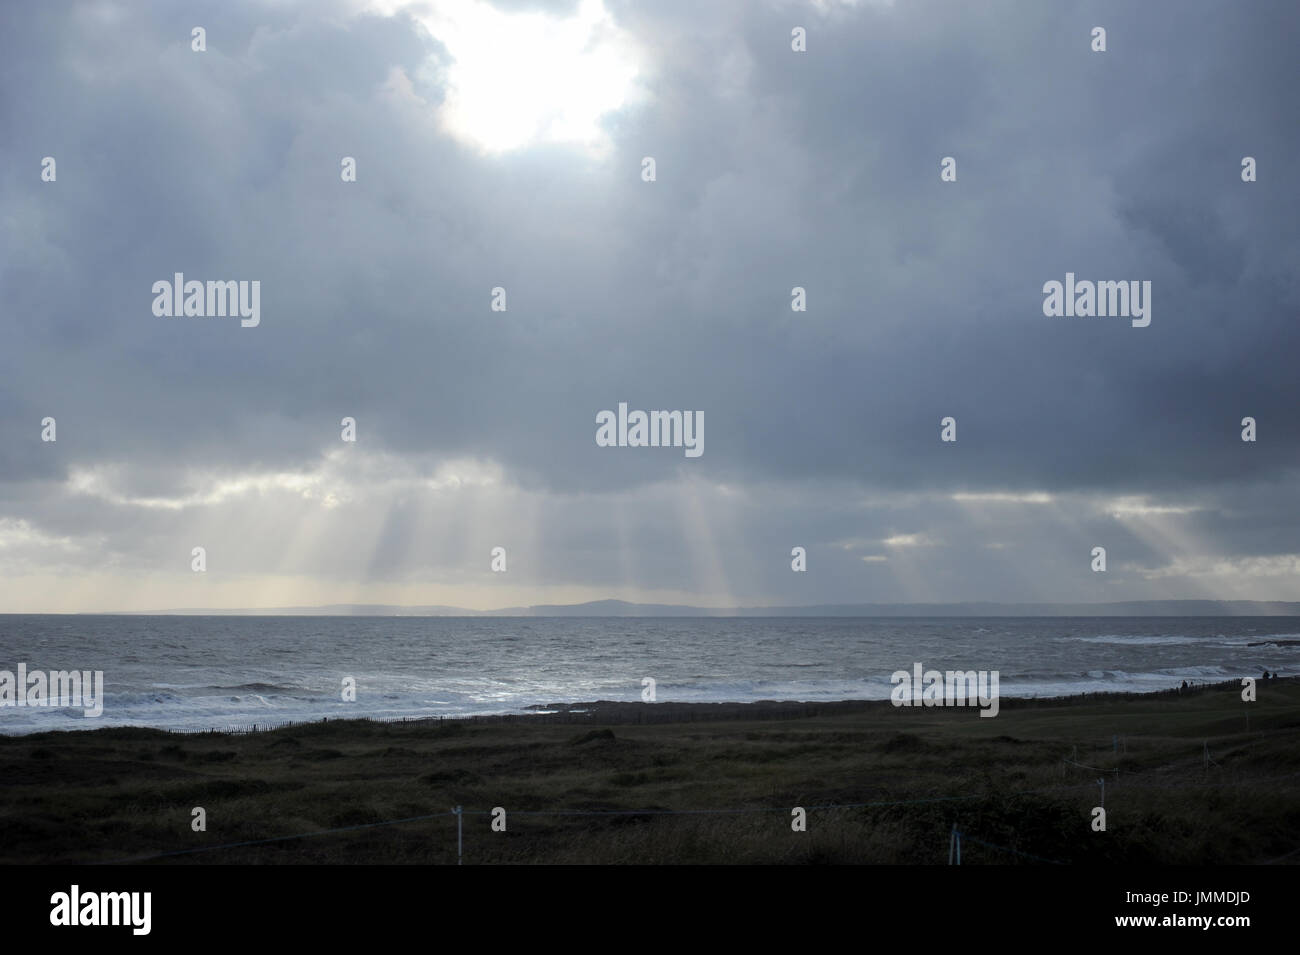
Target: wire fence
(958, 835)
(1016, 852)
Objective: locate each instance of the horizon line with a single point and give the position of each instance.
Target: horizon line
(685, 610)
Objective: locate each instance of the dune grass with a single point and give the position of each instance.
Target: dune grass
(93, 796)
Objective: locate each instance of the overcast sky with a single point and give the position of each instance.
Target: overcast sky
(502, 145)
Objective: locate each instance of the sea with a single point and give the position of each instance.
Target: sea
(194, 673)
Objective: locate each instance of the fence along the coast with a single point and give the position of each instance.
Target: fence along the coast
(459, 812)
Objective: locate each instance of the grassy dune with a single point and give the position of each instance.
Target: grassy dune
(109, 794)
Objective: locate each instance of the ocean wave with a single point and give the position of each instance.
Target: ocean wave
(434, 669)
(1139, 640)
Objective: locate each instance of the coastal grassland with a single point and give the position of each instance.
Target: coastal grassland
(1005, 782)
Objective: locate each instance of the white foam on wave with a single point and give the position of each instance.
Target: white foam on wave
(1139, 640)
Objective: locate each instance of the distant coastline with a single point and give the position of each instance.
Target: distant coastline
(622, 608)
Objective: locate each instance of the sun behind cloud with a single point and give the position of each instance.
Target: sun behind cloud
(523, 79)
